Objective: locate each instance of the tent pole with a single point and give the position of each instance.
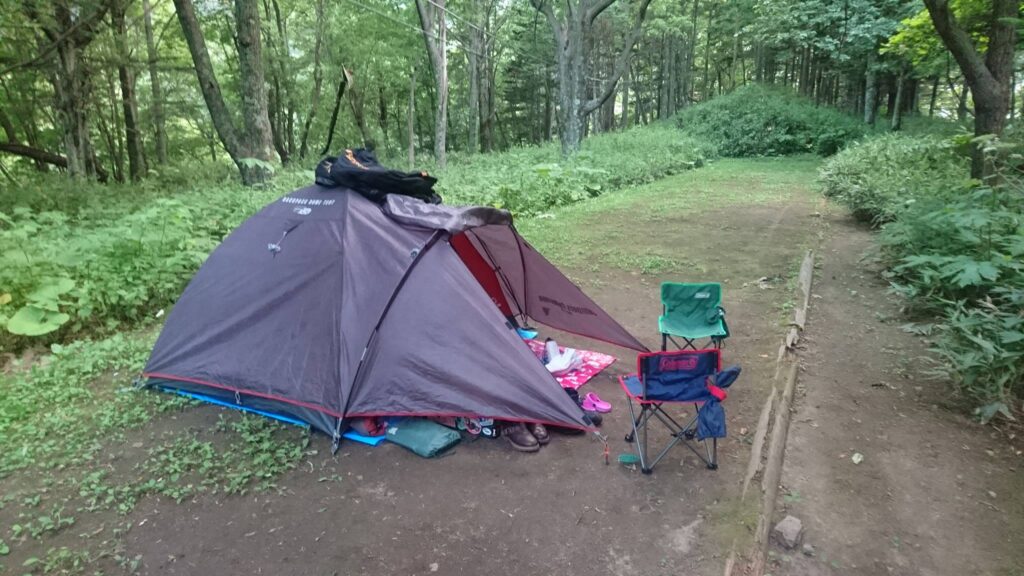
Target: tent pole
(387, 307)
(498, 272)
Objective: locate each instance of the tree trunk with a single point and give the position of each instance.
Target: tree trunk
(111, 132)
(219, 113)
(961, 103)
(71, 87)
(988, 78)
(705, 92)
(870, 94)
(412, 119)
(356, 103)
(477, 48)
(318, 79)
(129, 105)
(624, 121)
(896, 109)
(157, 105)
(570, 32)
(935, 93)
(691, 54)
(435, 34)
(342, 84)
(255, 116)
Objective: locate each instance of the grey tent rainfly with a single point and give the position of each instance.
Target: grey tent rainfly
(326, 306)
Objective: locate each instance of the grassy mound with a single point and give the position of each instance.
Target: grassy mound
(760, 121)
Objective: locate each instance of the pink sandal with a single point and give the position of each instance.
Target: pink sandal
(592, 403)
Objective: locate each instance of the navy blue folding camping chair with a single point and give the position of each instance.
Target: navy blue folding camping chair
(676, 377)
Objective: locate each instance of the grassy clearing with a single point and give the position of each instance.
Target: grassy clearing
(602, 232)
(83, 447)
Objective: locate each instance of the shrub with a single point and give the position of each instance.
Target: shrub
(530, 180)
(882, 176)
(954, 249)
(759, 121)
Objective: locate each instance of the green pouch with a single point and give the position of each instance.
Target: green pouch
(424, 437)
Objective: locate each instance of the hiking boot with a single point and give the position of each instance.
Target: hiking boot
(539, 432)
(593, 418)
(520, 438)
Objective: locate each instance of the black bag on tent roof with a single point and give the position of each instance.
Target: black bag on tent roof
(359, 170)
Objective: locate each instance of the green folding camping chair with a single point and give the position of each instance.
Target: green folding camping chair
(692, 312)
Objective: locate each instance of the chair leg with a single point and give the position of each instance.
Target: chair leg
(639, 429)
(664, 342)
(712, 453)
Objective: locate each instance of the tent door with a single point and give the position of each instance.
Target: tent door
(482, 271)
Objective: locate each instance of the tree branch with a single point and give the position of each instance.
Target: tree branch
(544, 7)
(621, 62)
(594, 11)
(44, 156)
(959, 43)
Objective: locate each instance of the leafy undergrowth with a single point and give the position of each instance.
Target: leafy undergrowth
(757, 120)
(531, 180)
(954, 248)
(76, 456)
(85, 260)
(883, 176)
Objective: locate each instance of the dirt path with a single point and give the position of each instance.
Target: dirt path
(935, 493)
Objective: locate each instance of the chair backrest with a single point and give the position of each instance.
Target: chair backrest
(679, 375)
(691, 303)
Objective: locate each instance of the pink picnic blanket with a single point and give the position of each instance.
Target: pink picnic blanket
(593, 363)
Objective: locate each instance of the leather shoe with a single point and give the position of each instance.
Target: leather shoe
(520, 438)
(539, 432)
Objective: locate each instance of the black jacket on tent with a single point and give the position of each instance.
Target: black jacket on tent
(326, 306)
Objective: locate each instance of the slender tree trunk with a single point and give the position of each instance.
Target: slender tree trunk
(691, 55)
(935, 94)
(435, 34)
(477, 48)
(342, 84)
(157, 105)
(356, 103)
(318, 79)
(624, 121)
(412, 119)
(129, 105)
(705, 91)
(870, 94)
(896, 110)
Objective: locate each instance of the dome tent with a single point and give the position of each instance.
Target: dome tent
(326, 306)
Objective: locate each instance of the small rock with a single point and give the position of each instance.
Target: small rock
(789, 532)
(434, 567)
(857, 457)
(808, 550)
(991, 494)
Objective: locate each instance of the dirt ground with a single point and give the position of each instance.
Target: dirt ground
(936, 493)
(488, 509)
(920, 503)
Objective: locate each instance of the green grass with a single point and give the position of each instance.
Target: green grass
(602, 232)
